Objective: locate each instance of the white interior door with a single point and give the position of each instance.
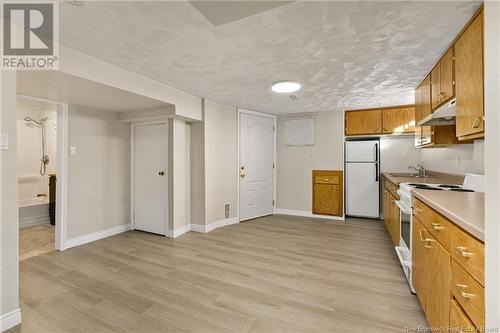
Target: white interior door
(150, 178)
(256, 166)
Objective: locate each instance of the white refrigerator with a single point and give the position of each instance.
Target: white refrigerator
(362, 168)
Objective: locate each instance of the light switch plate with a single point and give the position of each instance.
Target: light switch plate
(4, 141)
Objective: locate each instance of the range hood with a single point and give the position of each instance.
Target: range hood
(445, 115)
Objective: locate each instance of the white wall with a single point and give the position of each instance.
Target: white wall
(221, 162)
(99, 173)
(397, 153)
(197, 142)
(295, 164)
(214, 163)
(181, 174)
(9, 228)
(455, 159)
(492, 164)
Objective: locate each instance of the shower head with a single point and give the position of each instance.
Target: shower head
(39, 123)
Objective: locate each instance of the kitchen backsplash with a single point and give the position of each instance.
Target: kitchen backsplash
(456, 159)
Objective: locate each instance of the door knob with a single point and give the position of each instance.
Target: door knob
(242, 172)
(161, 173)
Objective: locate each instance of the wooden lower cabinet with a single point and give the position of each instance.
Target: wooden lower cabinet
(431, 275)
(419, 267)
(448, 285)
(459, 322)
(386, 198)
(438, 262)
(394, 223)
(391, 211)
(327, 192)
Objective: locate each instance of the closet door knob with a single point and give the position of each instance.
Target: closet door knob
(161, 173)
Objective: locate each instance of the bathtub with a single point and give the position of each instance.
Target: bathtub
(33, 209)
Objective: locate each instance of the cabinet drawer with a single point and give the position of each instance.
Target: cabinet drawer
(327, 180)
(468, 293)
(437, 225)
(469, 252)
(459, 322)
(391, 188)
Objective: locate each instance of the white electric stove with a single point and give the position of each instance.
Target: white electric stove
(472, 183)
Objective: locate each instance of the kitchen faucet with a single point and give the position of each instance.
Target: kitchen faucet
(420, 169)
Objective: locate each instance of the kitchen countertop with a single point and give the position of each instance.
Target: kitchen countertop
(462, 208)
(432, 179)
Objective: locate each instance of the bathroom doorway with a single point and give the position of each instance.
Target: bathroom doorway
(38, 172)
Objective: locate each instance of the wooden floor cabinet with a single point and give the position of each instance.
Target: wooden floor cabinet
(327, 192)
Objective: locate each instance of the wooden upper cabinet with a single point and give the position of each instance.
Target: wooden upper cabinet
(425, 97)
(327, 192)
(423, 135)
(442, 80)
(469, 81)
(435, 86)
(447, 76)
(363, 122)
(398, 120)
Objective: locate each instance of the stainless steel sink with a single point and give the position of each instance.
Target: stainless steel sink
(406, 175)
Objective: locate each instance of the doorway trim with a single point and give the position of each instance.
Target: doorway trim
(275, 130)
(62, 150)
(132, 169)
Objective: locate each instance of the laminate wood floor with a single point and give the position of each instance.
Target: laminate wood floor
(274, 274)
(37, 240)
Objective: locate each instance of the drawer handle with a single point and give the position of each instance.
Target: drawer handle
(477, 122)
(463, 252)
(465, 295)
(437, 226)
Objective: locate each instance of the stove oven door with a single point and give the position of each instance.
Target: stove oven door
(404, 249)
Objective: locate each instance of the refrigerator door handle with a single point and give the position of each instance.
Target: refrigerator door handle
(376, 152)
(376, 172)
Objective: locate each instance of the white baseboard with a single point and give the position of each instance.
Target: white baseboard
(179, 231)
(31, 221)
(96, 236)
(214, 225)
(201, 228)
(10, 320)
(305, 213)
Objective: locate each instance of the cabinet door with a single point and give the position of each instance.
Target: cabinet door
(363, 122)
(386, 208)
(398, 120)
(435, 86)
(419, 270)
(447, 76)
(459, 320)
(469, 79)
(394, 221)
(426, 138)
(425, 97)
(326, 199)
(438, 286)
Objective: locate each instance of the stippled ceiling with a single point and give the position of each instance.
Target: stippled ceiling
(345, 54)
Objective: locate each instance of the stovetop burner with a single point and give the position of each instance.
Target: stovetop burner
(450, 186)
(460, 190)
(425, 187)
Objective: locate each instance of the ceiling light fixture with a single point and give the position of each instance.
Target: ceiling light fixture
(283, 87)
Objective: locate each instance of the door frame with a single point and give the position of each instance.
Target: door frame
(62, 153)
(132, 170)
(238, 155)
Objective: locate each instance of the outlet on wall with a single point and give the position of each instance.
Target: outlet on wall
(226, 210)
